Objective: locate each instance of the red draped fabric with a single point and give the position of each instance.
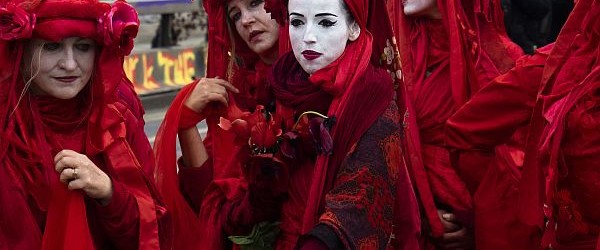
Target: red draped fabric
(557, 171)
(558, 176)
(104, 122)
(444, 62)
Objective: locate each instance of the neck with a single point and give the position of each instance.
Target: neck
(270, 56)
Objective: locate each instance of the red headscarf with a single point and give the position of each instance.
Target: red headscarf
(98, 128)
(187, 228)
(575, 48)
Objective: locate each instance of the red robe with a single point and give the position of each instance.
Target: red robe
(444, 63)
(115, 226)
(488, 120)
(557, 94)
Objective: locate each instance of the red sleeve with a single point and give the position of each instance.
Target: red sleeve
(193, 181)
(138, 141)
(497, 110)
(119, 221)
(492, 116)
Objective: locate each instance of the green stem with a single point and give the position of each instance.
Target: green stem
(308, 113)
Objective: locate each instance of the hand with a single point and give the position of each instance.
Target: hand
(209, 90)
(455, 235)
(80, 173)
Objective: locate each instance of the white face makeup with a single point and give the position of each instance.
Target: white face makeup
(255, 27)
(319, 31)
(59, 69)
(426, 8)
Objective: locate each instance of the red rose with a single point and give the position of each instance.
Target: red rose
(260, 128)
(15, 23)
(120, 26)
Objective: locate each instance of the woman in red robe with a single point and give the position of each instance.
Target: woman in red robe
(449, 50)
(244, 42)
(327, 161)
(556, 92)
(75, 165)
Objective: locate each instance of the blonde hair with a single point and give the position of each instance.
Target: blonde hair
(31, 76)
(232, 54)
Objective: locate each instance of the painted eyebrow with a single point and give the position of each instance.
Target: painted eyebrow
(317, 15)
(325, 14)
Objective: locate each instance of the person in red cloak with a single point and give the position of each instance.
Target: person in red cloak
(555, 92)
(324, 168)
(243, 43)
(75, 165)
(448, 50)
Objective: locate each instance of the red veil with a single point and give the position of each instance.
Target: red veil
(477, 51)
(26, 151)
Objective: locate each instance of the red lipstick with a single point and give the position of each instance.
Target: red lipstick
(311, 55)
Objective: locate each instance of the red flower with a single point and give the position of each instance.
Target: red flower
(120, 26)
(260, 129)
(15, 23)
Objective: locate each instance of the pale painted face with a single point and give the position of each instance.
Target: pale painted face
(426, 8)
(255, 27)
(319, 31)
(59, 69)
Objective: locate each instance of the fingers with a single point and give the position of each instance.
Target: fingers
(68, 174)
(458, 236)
(214, 97)
(65, 162)
(449, 221)
(76, 184)
(450, 217)
(219, 82)
(64, 153)
(225, 84)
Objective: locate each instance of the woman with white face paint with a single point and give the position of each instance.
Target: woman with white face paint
(337, 139)
(75, 164)
(449, 49)
(321, 170)
(244, 43)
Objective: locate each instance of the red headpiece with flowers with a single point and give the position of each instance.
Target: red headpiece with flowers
(23, 145)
